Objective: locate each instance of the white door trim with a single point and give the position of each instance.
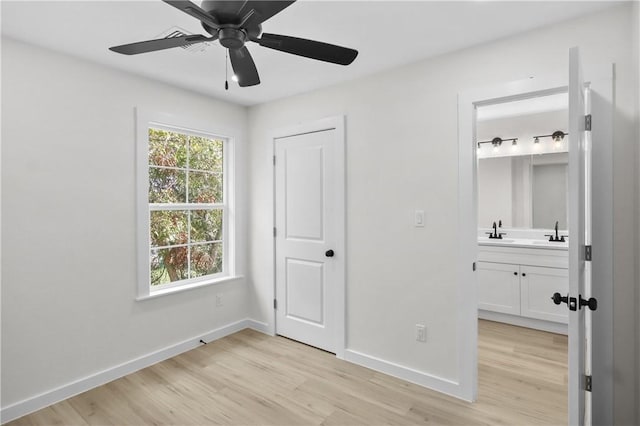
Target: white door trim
(337, 123)
(601, 83)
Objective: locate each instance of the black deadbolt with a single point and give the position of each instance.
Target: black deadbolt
(329, 253)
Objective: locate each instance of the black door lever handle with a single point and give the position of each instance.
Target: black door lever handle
(329, 253)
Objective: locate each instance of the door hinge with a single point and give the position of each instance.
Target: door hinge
(588, 383)
(274, 231)
(587, 253)
(274, 160)
(587, 122)
(275, 304)
(474, 266)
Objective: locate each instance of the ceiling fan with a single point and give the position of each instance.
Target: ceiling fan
(234, 23)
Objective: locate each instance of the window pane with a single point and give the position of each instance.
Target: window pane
(206, 225)
(206, 259)
(205, 154)
(168, 265)
(167, 149)
(205, 187)
(168, 228)
(166, 185)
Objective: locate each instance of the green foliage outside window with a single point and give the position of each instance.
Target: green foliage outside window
(185, 169)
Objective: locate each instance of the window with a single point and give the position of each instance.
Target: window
(183, 198)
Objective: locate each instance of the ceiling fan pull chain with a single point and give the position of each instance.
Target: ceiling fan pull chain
(226, 69)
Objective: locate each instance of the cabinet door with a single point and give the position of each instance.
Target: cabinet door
(499, 287)
(537, 286)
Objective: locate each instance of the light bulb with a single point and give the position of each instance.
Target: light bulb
(234, 78)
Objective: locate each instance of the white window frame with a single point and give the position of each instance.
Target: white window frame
(184, 125)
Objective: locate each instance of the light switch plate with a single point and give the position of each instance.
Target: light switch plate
(418, 219)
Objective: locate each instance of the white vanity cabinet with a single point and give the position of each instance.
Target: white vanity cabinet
(515, 285)
(499, 287)
(537, 285)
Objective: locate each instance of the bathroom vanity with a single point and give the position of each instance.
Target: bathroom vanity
(516, 278)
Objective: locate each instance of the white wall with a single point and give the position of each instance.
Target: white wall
(69, 223)
(402, 155)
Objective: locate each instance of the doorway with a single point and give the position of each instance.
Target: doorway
(600, 82)
(309, 234)
(523, 253)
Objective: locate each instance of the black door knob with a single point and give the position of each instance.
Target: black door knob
(591, 303)
(329, 253)
(558, 298)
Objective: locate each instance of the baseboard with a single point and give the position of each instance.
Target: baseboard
(551, 327)
(426, 380)
(260, 326)
(61, 393)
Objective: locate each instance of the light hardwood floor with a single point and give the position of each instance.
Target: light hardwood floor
(250, 378)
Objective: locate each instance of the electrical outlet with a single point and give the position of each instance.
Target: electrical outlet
(219, 301)
(421, 333)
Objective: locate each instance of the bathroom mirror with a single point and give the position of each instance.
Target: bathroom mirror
(522, 151)
(525, 191)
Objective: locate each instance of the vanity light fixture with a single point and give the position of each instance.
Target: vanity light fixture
(556, 136)
(496, 142)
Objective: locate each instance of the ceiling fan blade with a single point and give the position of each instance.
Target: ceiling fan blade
(264, 8)
(308, 48)
(243, 67)
(159, 44)
(194, 10)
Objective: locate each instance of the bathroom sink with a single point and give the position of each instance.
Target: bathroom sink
(550, 243)
(496, 240)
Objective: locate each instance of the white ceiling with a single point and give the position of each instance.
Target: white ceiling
(386, 33)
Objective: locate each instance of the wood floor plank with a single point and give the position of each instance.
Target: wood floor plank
(250, 378)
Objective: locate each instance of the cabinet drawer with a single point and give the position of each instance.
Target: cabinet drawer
(537, 285)
(498, 287)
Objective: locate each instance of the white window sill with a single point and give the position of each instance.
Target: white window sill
(180, 289)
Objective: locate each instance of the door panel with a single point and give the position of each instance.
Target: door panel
(577, 233)
(498, 287)
(309, 188)
(304, 177)
(304, 282)
(536, 284)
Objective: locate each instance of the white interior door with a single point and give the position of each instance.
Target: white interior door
(579, 230)
(309, 187)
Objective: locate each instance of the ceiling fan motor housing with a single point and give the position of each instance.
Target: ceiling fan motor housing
(232, 38)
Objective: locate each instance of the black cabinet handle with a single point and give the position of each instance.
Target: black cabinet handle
(329, 253)
(524, 275)
(515, 273)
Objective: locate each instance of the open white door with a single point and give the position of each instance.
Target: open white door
(579, 231)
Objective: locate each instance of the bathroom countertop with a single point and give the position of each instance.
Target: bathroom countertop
(523, 243)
